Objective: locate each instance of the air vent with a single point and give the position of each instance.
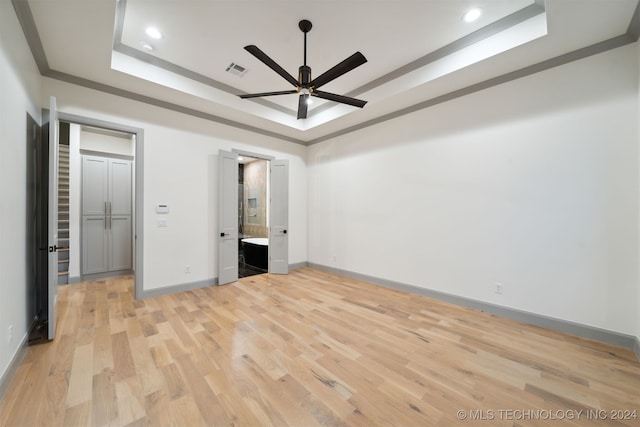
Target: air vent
(236, 70)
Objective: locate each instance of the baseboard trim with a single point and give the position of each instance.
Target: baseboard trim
(298, 265)
(182, 287)
(74, 279)
(565, 326)
(100, 276)
(14, 364)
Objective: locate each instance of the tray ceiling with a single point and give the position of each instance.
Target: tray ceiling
(419, 52)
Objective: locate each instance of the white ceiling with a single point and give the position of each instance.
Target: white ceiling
(417, 50)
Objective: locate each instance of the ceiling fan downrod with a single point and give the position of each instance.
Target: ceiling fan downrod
(304, 72)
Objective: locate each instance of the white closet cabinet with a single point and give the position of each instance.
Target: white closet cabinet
(106, 215)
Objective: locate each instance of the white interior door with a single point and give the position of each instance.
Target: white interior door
(279, 218)
(227, 217)
(53, 218)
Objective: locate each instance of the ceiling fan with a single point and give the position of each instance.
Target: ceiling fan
(306, 86)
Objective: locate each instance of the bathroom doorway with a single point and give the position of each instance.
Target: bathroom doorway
(272, 200)
(253, 216)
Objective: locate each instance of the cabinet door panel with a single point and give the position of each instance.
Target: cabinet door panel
(120, 243)
(120, 187)
(94, 185)
(94, 245)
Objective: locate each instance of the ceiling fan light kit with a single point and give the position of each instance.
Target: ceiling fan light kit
(304, 84)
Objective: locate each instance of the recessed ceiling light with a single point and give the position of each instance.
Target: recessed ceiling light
(472, 15)
(154, 33)
(146, 46)
(240, 159)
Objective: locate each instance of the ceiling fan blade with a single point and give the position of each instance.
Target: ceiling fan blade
(303, 105)
(255, 51)
(339, 98)
(345, 66)
(258, 95)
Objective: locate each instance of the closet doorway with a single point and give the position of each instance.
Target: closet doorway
(104, 200)
(96, 202)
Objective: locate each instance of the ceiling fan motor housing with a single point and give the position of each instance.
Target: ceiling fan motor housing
(304, 76)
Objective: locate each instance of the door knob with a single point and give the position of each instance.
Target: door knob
(53, 248)
(223, 234)
(284, 231)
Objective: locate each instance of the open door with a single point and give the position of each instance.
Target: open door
(279, 218)
(227, 217)
(52, 284)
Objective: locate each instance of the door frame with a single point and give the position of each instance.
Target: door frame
(252, 154)
(259, 157)
(138, 237)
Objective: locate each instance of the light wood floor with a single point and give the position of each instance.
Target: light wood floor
(309, 349)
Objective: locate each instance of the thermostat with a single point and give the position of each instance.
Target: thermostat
(162, 209)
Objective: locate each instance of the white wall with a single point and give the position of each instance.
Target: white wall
(180, 169)
(106, 143)
(19, 94)
(533, 184)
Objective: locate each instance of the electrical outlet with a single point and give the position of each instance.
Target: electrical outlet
(187, 269)
(499, 287)
(10, 334)
(335, 258)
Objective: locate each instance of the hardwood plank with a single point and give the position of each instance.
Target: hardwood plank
(102, 350)
(305, 349)
(185, 413)
(32, 387)
(51, 409)
(206, 401)
(175, 383)
(81, 379)
(158, 410)
(79, 415)
(14, 392)
(130, 404)
(122, 357)
(104, 409)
